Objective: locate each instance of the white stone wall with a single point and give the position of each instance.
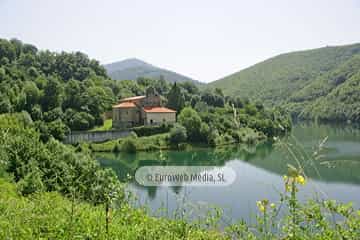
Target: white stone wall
(158, 118)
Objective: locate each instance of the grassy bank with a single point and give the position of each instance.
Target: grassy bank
(51, 216)
(162, 142)
(107, 125)
(148, 143)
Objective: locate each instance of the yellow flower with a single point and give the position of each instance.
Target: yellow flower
(262, 205)
(300, 179)
(262, 208)
(285, 178)
(272, 205)
(287, 188)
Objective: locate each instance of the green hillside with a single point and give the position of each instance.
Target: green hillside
(321, 83)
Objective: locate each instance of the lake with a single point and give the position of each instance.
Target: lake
(259, 173)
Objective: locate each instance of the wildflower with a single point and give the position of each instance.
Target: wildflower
(285, 178)
(300, 179)
(287, 187)
(272, 205)
(260, 206)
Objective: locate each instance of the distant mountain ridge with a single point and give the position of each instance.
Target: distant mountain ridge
(133, 68)
(321, 83)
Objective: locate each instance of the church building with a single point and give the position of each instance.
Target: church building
(141, 110)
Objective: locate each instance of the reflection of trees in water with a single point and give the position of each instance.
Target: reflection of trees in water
(264, 156)
(151, 192)
(125, 164)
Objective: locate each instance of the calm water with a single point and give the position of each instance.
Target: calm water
(259, 173)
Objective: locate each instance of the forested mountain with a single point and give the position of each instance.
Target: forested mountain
(132, 69)
(320, 83)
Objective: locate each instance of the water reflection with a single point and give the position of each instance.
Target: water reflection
(259, 170)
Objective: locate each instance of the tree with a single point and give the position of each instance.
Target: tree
(204, 132)
(177, 134)
(175, 98)
(32, 94)
(5, 105)
(212, 99)
(80, 121)
(2, 74)
(7, 50)
(219, 92)
(72, 97)
(52, 94)
(190, 87)
(18, 45)
(191, 120)
(58, 129)
(29, 49)
(36, 113)
(97, 100)
(53, 114)
(27, 60)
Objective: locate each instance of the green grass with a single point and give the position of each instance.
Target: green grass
(105, 127)
(51, 216)
(148, 143)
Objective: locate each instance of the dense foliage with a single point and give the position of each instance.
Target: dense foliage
(51, 166)
(60, 91)
(151, 130)
(334, 96)
(228, 124)
(321, 83)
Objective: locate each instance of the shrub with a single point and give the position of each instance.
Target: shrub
(213, 136)
(81, 121)
(133, 134)
(5, 105)
(151, 130)
(204, 132)
(182, 146)
(53, 115)
(116, 148)
(36, 113)
(228, 138)
(191, 120)
(36, 166)
(177, 134)
(128, 145)
(58, 129)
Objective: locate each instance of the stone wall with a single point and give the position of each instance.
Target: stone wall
(125, 117)
(96, 136)
(158, 118)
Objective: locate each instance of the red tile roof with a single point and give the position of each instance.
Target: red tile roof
(158, 110)
(125, 105)
(132, 98)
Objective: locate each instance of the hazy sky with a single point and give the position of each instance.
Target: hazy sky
(203, 39)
